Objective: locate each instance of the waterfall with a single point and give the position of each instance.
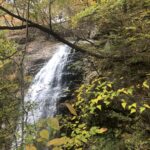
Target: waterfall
(47, 87)
(45, 90)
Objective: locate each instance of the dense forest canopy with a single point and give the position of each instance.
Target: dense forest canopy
(109, 107)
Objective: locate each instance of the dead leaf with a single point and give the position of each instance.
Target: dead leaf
(53, 123)
(30, 147)
(71, 109)
(102, 130)
(58, 141)
(44, 134)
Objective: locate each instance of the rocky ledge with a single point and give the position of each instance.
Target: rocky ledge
(39, 48)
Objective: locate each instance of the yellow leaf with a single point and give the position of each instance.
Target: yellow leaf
(130, 91)
(71, 109)
(133, 111)
(58, 141)
(124, 104)
(107, 103)
(134, 105)
(109, 85)
(142, 109)
(121, 90)
(53, 123)
(145, 84)
(99, 107)
(39, 140)
(30, 147)
(44, 134)
(102, 130)
(147, 106)
(57, 148)
(130, 107)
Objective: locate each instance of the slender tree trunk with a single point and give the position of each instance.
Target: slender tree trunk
(50, 15)
(22, 78)
(125, 9)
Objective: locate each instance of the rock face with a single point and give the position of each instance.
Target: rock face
(38, 53)
(72, 78)
(39, 49)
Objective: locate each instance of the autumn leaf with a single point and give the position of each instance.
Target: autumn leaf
(30, 147)
(99, 107)
(124, 104)
(102, 130)
(44, 134)
(58, 141)
(145, 84)
(133, 111)
(57, 148)
(147, 106)
(142, 109)
(39, 140)
(71, 109)
(53, 123)
(134, 105)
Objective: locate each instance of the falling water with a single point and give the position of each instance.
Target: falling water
(45, 90)
(47, 86)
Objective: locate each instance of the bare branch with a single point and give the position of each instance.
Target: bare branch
(16, 8)
(8, 57)
(13, 27)
(57, 36)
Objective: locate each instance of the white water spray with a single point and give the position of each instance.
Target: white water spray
(47, 87)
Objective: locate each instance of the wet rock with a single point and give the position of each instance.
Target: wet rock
(94, 32)
(72, 78)
(91, 76)
(38, 53)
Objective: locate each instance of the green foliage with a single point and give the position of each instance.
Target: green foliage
(85, 13)
(76, 129)
(92, 98)
(101, 94)
(71, 109)
(79, 136)
(9, 88)
(45, 130)
(97, 11)
(122, 23)
(7, 48)
(30, 147)
(92, 101)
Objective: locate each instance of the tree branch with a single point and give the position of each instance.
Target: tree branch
(14, 27)
(51, 32)
(8, 57)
